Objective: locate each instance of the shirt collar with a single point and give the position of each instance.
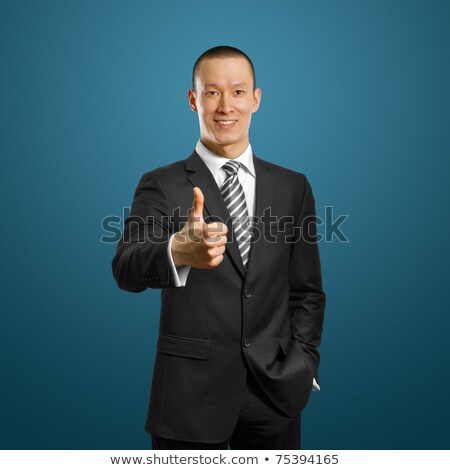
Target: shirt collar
(214, 162)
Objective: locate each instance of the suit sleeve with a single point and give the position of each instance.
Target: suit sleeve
(306, 297)
(141, 259)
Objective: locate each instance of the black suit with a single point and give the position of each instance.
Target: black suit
(226, 321)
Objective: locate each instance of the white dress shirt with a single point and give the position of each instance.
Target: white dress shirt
(247, 178)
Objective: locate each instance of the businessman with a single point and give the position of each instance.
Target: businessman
(231, 241)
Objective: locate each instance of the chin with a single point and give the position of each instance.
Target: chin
(227, 139)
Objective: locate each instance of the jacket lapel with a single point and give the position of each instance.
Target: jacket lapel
(263, 200)
(214, 205)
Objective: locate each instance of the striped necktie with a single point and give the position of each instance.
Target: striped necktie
(234, 197)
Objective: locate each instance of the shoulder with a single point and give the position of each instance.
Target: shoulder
(166, 170)
(286, 174)
(164, 175)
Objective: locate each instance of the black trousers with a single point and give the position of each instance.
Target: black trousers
(260, 426)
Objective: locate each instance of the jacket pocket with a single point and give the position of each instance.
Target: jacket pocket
(285, 342)
(186, 347)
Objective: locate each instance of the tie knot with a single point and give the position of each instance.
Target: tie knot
(231, 167)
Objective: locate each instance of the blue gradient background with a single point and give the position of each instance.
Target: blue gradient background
(355, 94)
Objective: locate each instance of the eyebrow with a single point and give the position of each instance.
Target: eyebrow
(215, 85)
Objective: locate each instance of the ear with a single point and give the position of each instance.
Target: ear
(192, 100)
(256, 99)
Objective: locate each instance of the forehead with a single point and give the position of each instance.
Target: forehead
(224, 70)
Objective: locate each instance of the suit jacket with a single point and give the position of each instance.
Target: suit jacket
(227, 321)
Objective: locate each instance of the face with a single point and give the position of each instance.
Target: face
(225, 101)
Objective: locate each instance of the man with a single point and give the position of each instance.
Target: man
(231, 241)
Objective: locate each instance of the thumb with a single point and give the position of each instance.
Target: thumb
(197, 204)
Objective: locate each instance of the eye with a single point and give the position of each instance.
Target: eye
(240, 92)
(211, 92)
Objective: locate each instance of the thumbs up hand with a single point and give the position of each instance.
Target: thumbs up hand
(195, 219)
(198, 244)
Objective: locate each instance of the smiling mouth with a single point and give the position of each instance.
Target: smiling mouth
(225, 124)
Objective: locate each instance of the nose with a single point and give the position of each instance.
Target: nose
(225, 105)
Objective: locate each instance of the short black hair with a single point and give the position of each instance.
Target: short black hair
(222, 51)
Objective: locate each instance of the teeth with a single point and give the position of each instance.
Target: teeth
(226, 122)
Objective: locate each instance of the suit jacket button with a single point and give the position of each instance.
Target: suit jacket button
(247, 293)
(247, 343)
